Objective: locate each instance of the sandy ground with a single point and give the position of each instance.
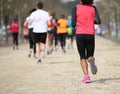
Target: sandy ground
(59, 73)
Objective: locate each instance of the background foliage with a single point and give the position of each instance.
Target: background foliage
(12, 8)
(109, 9)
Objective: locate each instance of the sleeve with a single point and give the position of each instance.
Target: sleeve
(48, 17)
(31, 16)
(28, 18)
(74, 17)
(97, 19)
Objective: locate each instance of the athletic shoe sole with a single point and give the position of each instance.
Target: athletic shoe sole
(93, 66)
(87, 81)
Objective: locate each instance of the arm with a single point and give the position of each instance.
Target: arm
(74, 17)
(30, 19)
(30, 22)
(25, 23)
(97, 17)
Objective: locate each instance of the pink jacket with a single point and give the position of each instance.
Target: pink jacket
(14, 27)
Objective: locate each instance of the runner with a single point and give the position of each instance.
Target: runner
(14, 28)
(55, 36)
(70, 33)
(30, 35)
(50, 34)
(62, 31)
(40, 19)
(83, 16)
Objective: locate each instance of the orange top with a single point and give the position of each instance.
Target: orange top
(62, 27)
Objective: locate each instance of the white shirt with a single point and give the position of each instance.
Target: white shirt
(28, 19)
(40, 18)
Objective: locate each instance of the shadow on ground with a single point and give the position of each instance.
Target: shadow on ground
(104, 80)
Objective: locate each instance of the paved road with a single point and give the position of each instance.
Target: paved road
(59, 73)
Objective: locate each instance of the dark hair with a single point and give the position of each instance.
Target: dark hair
(87, 2)
(53, 14)
(32, 10)
(16, 18)
(40, 5)
(62, 16)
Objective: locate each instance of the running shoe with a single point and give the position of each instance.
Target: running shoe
(86, 79)
(17, 48)
(29, 55)
(13, 48)
(93, 66)
(43, 55)
(64, 51)
(48, 52)
(34, 56)
(39, 61)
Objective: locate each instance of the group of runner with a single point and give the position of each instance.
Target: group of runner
(46, 32)
(43, 27)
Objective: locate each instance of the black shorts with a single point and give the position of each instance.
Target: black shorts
(85, 45)
(40, 37)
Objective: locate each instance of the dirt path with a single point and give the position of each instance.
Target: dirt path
(59, 73)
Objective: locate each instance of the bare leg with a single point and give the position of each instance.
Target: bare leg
(38, 50)
(48, 43)
(51, 43)
(43, 48)
(84, 66)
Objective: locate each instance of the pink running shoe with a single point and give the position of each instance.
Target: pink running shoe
(86, 79)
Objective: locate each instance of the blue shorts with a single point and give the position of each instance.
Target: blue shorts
(51, 31)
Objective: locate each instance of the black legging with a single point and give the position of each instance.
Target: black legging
(85, 45)
(15, 38)
(31, 40)
(55, 38)
(62, 38)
